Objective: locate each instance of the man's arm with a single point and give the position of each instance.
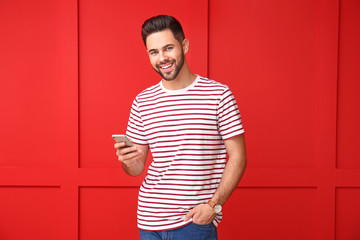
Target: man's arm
(133, 158)
(234, 170)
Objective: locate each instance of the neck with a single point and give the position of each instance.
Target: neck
(183, 79)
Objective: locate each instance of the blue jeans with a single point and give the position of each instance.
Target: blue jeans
(192, 231)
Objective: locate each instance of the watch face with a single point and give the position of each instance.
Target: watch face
(217, 208)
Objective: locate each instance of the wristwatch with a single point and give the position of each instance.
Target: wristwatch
(217, 207)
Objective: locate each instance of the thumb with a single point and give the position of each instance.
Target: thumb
(189, 215)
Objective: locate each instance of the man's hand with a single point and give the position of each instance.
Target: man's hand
(201, 214)
(132, 158)
(127, 155)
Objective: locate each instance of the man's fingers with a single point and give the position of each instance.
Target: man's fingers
(119, 145)
(128, 154)
(189, 215)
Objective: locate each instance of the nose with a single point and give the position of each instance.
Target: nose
(163, 56)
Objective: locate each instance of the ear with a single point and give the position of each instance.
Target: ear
(185, 45)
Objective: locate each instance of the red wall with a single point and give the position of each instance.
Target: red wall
(70, 69)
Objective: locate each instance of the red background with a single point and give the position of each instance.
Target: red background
(70, 69)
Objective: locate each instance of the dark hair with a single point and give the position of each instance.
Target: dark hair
(160, 23)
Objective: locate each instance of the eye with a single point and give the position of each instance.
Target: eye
(153, 53)
(169, 48)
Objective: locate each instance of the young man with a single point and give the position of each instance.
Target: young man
(190, 123)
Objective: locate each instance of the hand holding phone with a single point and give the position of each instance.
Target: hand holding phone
(132, 157)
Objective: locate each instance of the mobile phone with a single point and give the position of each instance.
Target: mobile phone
(122, 138)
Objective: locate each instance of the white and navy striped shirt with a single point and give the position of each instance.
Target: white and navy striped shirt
(185, 130)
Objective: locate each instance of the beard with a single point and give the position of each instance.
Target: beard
(168, 76)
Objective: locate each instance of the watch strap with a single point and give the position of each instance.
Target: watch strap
(211, 203)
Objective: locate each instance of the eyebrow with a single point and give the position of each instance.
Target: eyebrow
(167, 45)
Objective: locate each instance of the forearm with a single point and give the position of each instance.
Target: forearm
(135, 169)
(234, 170)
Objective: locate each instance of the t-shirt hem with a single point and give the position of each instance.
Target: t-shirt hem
(242, 132)
(165, 229)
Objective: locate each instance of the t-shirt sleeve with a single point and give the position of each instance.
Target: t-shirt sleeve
(135, 128)
(229, 119)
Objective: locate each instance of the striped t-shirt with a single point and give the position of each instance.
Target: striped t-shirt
(185, 130)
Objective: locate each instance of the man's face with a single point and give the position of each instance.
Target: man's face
(166, 54)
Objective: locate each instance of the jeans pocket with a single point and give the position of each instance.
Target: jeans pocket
(204, 231)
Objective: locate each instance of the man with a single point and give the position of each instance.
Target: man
(190, 123)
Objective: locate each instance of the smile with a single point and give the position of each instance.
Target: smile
(166, 66)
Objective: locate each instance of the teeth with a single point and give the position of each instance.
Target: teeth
(166, 67)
